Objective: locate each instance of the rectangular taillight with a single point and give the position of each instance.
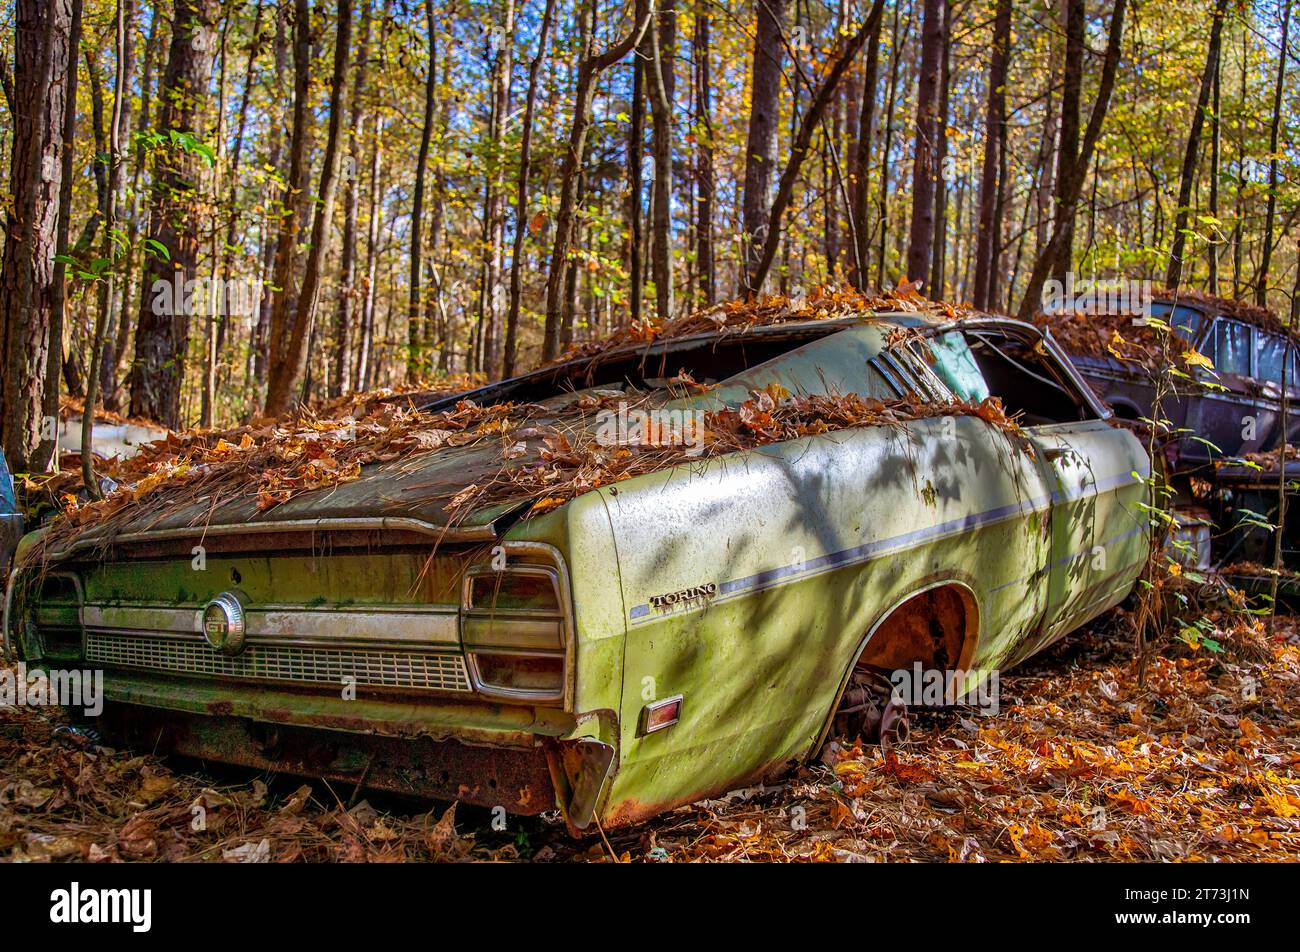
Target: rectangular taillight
(513, 628)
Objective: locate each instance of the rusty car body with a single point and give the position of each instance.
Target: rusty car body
(1229, 410)
(649, 643)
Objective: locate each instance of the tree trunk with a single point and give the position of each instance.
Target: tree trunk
(803, 140)
(364, 373)
(1216, 162)
(27, 292)
(341, 373)
(120, 94)
(133, 290)
(493, 186)
(921, 234)
(939, 248)
(521, 194)
(705, 263)
(589, 69)
(260, 342)
(48, 446)
(1068, 151)
(760, 151)
(117, 183)
(1070, 189)
(288, 370)
(163, 332)
(663, 42)
(1191, 155)
(1261, 281)
(882, 215)
(861, 165)
(635, 186)
(417, 363)
(995, 131)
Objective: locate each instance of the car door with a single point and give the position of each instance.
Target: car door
(1226, 414)
(1093, 473)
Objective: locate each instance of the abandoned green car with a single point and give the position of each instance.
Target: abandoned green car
(650, 642)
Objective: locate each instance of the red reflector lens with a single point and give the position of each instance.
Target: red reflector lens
(660, 714)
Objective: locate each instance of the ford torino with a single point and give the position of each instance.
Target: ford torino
(650, 642)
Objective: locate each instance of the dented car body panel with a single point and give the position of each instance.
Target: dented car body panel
(520, 660)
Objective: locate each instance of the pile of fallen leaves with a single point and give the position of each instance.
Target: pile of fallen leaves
(820, 304)
(70, 406)
(549, 453)
(1266, 460)
(1081, 761)
(1118, 337)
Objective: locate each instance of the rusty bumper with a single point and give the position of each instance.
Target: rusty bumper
(518, 779)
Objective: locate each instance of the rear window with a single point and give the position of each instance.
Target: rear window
(1232, 347)
(1270, 354)
(1186, 320)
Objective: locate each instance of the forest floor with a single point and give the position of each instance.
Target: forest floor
(1199, 761)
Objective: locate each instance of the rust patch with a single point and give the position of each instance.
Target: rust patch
(515, 778)
(930, 628)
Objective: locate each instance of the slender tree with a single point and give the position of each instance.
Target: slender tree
(663, 44)
(1266, 254)
(416, 359)
(521, 194)
(760, 150)
(1070, 190)
(590, 67)
(995, 134)
(27, 293)
(925, 159)
(289, 353)
(821, 99)
(163, 329)
(705, 262)
(347, 293)
(1191, 155)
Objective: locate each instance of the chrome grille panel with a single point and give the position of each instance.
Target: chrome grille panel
(371, 667)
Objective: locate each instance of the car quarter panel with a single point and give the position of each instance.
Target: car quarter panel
(800, 548)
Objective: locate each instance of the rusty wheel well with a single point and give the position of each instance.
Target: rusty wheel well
(936, 627)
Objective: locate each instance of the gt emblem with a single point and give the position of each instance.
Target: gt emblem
(223, 624)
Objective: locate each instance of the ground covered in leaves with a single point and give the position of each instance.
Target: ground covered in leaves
(1201, 761)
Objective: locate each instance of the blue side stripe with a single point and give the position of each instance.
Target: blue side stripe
(769, 578)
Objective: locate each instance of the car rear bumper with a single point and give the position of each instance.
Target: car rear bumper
(528, 760)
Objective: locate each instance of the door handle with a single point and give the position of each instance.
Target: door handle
(1053, 453)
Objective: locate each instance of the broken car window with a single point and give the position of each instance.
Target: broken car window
(1232, 347)
(1027, 381)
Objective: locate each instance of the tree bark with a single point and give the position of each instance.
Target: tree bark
(590, 67)
(1070, 189)
(760, 151)
(995, 131)
(921, 233)
(288, 370)
(163, 333)
(27, 292)
(1191, 155)
(1266, 257)
(521, 195)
